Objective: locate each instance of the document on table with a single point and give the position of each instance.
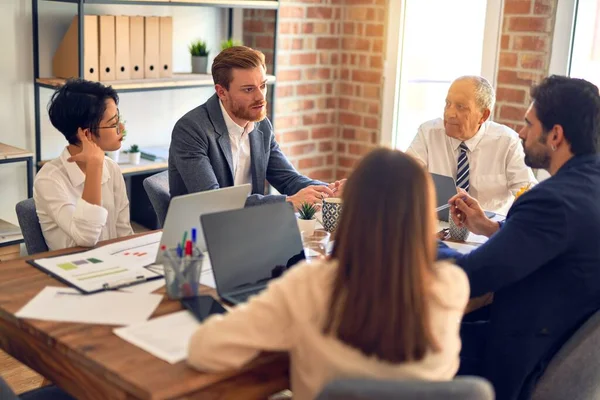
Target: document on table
(165, 337)
(107, 267)
(105, 308)
(462, 248)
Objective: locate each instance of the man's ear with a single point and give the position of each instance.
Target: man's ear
(485, 116)
(556, 136)
(221, 91)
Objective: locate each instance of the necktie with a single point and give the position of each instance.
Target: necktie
(462, 171)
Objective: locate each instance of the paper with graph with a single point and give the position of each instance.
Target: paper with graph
(116, 265)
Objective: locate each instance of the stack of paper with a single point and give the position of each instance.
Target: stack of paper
(105, 308)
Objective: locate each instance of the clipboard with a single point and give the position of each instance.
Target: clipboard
(110, 267)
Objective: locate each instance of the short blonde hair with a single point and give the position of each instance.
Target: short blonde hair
(240, 57)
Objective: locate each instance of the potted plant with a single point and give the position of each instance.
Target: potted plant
(134, 154)
(306, 218)
(199, 54)
(225, 44)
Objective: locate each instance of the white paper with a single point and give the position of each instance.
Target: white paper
(165, 337)
(105, 308)
(112, 265)
(462, 248)
(147, 287)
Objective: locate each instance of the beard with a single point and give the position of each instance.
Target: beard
(537, 159)
(248, 113)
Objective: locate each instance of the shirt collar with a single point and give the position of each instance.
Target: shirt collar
(232, 127)
(76, 175)
(473, 142)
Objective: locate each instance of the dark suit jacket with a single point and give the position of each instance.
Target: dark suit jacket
(200, 157)
(544, 267)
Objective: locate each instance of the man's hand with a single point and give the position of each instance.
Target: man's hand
(310, 194)
(466, 211)
(90, 152)
(338, 187)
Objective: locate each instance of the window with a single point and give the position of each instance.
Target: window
(436, 41)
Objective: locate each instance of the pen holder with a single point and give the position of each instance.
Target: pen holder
(182, 274)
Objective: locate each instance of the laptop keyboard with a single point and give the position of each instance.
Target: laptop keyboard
(242, 297)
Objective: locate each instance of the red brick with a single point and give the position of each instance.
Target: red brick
(356, 44)
(346, 162)
(300, 149)
(330, 159)
(303, 59)
(289, 75)
(348, 28)
(314, 119)
(366, 76)
(310, 162)
(517, 7)
(374, 30)
(510, 95)
(319, 12)
(326, 146)
(533, 61)
(327, 43)
(371, 123)
(297, 44)
(346, 89)
(287, 11)
(377, 62)
(504, 42)
(518, 78)
(358, 149)
(317, 73)
(530, 43)
(264, 41)
(350, 119)
(254, 26)
(295, 136)
(543, 7)
(308, 27)
(374, 109)
(289, 27)
(372, 91)
(323, 175)
(507, 59)
(323, 133)
(377, 45)
(331, 103)
(528, 24)
(512, 113)
(360, 14)
(287, 122)
(341, 147)
(308, 89)
(356, 134)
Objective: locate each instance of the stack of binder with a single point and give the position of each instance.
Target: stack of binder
(117, 48)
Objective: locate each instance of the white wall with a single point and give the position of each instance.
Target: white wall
(150, 116)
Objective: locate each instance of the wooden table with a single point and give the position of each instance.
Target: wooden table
(90, 362)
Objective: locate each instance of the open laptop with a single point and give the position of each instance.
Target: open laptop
(445, 188)
(184, 213)
(249, 247)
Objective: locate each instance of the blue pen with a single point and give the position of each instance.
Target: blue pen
(179, 251)
(194, 236)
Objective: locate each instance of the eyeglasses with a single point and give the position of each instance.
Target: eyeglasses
(117, 126)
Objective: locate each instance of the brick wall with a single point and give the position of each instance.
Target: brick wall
(524, 56)
(330, 67)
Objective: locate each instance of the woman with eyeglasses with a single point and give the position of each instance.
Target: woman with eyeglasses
(380, 308)
(80, 197)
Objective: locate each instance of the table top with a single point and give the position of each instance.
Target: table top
(90, 362)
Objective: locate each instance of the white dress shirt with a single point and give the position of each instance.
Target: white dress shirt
(497, 167)
(240, 148)
(66, 219)
(290, 316)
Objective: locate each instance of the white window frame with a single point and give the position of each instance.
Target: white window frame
(562, 38)
(393, 61)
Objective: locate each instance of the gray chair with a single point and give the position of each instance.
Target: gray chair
(574, 372)
(30, 227)
(461, 388)
(157, 188)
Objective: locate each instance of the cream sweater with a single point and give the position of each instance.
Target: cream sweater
(289, 316)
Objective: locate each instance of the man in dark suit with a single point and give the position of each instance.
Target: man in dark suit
(229, 141)
(543, 262)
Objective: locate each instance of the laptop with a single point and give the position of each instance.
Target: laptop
(445, 188)
(251, 246)
(184, 212)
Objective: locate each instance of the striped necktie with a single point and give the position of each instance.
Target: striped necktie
(462, 172)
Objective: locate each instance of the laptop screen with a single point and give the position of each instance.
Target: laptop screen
(252, 245)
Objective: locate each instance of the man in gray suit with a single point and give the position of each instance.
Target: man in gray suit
(228, 140)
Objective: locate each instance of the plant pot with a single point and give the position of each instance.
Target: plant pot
(307, 225)
(199, 65)
(113, 155)
(134, 158)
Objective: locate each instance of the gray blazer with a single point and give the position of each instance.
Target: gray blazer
(200, 157)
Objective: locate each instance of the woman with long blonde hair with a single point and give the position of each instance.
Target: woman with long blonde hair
(380, 308)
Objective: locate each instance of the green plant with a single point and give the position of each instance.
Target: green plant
(124, 129)
(307, 211)
(198, 49)
(134, 148)
(225, 44)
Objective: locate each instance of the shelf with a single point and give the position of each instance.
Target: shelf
(144, 166)
(178, 81)
(9, 152)
(253, 4)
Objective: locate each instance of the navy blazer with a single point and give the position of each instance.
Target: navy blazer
(200, 157)
(543, 265)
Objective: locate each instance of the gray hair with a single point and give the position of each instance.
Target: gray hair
(484, 92)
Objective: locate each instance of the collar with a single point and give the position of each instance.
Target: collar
(473, 142)
(574, 161)
(76, 175)
(232, 127)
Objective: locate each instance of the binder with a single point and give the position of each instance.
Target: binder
(136, 47)
(106, 34)
(65, 63)
(151, 44)
(122, 48)
(165, 47)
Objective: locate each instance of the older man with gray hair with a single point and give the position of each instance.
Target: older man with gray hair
(485, 158)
